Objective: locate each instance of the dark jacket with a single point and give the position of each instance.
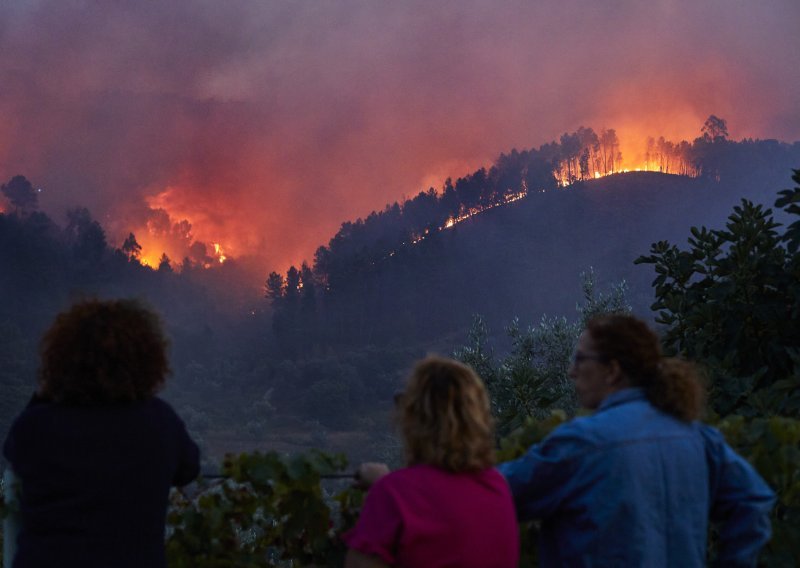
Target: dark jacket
(95, 482)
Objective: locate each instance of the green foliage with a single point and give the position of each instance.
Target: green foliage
(266, 510)
(270, 511)
(772, 445)
(532, 379)
(2, 532)
(532, 431)
(790, 202)
(732, 302)
(6, 507)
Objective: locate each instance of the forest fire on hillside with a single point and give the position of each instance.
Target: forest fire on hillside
(510, 198)
(579, 156)
(169, 232)
(177, 249)
(452, 221)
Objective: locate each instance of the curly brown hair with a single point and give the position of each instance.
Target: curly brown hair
(445, 417)
(672, 385)
(102, 352)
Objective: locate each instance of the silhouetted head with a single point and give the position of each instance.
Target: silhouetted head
(619, 351)
(445, 417)
(101, 352)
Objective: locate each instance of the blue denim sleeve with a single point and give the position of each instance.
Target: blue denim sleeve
(544, 476)
(740, 502)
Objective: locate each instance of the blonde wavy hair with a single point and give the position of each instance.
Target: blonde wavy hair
(445, 417)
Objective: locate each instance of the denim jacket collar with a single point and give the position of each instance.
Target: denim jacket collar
(621, 397)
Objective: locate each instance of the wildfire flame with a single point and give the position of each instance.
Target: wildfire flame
(150, 258)
(167, 236)
(510, 198)
(154, 251)
(182, 227)
(219, 253)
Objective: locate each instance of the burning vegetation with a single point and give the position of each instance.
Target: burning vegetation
(162, 242)
(577, 157)
(172, 233)
(168, 234)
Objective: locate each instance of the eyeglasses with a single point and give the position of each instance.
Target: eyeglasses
(578, 357)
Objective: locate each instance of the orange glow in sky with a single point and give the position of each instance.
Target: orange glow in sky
(262, 126)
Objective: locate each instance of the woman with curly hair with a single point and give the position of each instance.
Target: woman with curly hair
(637, 482)
(96, 451)
(449, 506)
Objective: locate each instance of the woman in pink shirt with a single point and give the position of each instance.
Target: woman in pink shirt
(449, 506)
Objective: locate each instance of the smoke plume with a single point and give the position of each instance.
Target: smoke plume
(261, 126)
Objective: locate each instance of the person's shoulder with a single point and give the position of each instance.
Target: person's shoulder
(37, 411)
(31, 426)
(158, 404)
(393, 483)
(419, 474)
(713, 440)
(635, 418)
(710, 433)
(580, 430)
(492, 477)
(405, 474)
(571, 440)
(161, 409)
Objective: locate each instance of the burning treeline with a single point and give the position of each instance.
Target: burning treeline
(160, 240)
(585, 154)
(170, 237)
(411, 270)
(576, 157)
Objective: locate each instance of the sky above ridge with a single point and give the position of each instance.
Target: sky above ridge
(262, 126)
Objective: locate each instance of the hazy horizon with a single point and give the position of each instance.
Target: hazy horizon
(265, 126)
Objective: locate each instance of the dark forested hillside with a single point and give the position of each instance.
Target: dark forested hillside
(506, 241)
(512, 240)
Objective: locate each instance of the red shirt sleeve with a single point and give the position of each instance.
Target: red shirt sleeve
(380, 524)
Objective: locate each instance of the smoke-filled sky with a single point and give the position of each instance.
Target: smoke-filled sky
(265, 124)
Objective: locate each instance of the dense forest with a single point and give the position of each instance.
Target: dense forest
(314, 362)
(535, 218)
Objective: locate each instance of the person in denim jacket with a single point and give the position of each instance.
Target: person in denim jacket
(637, 482)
